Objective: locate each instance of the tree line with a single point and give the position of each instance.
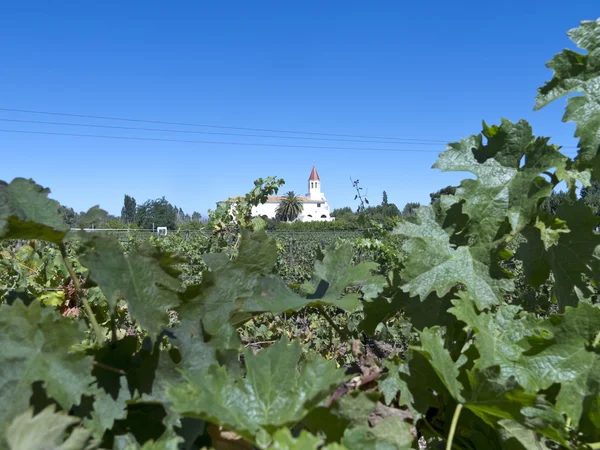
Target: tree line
(148, 215)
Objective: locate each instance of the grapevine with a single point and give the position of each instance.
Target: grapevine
(207, 343)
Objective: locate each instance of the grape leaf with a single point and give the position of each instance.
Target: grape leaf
(517, 437)
(567, 341)
(47, 430)
(283, 440)
(578, 73)
(487, 393)
(432, 348)
(498, 333)
(26, 212)
(35, 344)
(146, 279)
(394, 383)
(274, 393)
(430, 312)
(107, 409)
(233, 290)
(574, 254)
(538, 353)
(128, 442)
(504, 189)
(390, 434)
(334, 273)
(433, 264)
(228, 284)
(348, 411)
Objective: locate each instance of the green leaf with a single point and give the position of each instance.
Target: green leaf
(504, 190)
(47, 430)
(571, 257)
(26, 212)
(493, 399)
(565, 342)
(578, 73)
(433, 264)
(276, 391)
(228, 284)
(428, 313)
(107, 409)
(348, 411)
(146, 279)
(335, 273)
(390, 434)
(432, 348)
(283, 440)
(394, 383)
(128, 442)
(517, 437)
(35, 345)
(498, 334)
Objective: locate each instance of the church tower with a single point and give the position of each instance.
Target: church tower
(314, 185)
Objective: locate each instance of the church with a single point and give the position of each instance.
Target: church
(314, 204)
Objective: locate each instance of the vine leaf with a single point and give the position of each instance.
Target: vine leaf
(538, 353)
(107, 409)
(578, 73)
(283, 440)
(487, 393)
(128, 442)
(391, 433)
(348, 411)
(26, 212)
(334, 273)
(35, 343)
(432, 348)
(434, 264)
(570, 256)
(565, 341)
(498, 333)
(275, 392)
(47, 429)
(504, 190)
(146, 279)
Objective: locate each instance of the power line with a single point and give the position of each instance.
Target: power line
(246, 144)
(415, 141)
(186, 141)
(52, 113)
(163, 130)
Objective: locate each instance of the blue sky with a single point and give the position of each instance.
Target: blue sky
(423, 70)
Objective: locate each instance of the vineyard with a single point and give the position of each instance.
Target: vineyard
(474, 325)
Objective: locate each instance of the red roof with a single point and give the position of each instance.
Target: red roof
(314, 175)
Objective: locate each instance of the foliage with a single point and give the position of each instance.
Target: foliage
(289, 208)
(481, 371)
(129, 210)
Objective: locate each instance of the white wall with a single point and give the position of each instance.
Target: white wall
(309, 209)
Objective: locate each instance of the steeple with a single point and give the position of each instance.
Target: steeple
(314, 185)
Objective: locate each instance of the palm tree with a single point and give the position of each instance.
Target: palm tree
(289, 208)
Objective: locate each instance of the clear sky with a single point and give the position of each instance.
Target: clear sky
(429, 70)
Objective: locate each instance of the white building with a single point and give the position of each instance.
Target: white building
(314, 205)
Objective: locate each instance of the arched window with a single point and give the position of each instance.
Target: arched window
(323, 216)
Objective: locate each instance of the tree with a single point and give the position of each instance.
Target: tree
(448, 190)
(410, 210)
(157, 213)
(591, 196)
(196, 216)
(289, 208)
(70, 217)
(384, 202)
(129, 210)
